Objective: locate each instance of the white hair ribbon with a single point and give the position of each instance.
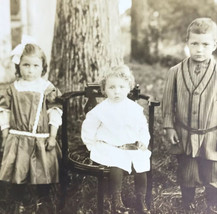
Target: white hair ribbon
(18, 50)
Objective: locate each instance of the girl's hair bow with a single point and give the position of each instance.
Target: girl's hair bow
(18, 50)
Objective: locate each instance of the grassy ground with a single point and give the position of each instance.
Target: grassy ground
(81, 191)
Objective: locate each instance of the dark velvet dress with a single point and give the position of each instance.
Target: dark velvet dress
(25, 159)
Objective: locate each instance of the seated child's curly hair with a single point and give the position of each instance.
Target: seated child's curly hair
(121, 71)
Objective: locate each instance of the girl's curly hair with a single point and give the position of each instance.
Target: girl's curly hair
(32, 49)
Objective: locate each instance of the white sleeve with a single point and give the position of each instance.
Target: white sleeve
(55, 116)
(89, 129)
(4, 118)
(144, 135)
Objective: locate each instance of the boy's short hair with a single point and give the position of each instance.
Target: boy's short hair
(202, 26)
(32, 49)
(121, 71)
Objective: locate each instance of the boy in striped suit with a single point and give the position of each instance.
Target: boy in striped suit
(190, 114)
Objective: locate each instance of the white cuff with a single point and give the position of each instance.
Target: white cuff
(4, 127)
(55, 116)
(4, 118)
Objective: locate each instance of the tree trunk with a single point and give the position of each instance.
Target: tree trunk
(140, 35)
(6, 69)
(86, 41)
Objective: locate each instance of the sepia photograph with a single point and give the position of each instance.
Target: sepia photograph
(108, 107)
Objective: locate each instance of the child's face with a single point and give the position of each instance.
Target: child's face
(116, 88)
(31, 67)
(201, 46)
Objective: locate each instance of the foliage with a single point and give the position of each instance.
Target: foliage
(176, 15)
(167, 24)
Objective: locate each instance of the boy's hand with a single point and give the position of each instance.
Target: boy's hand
(50, 143)
(172, 136)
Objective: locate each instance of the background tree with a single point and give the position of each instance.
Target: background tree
(6, 71)
(158, 28)
(86, 41)
(176, 15)
(140, 38)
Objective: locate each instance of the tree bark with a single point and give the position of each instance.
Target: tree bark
(6, 67)
(86, 42)
(140, 35)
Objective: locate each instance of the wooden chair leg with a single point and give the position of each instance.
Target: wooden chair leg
(100, 195)
(149, 189)
(63, 188)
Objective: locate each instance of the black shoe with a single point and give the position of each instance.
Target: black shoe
(117, 204)
(143, 211)
(141, 207)
(18, 208)
(189, 208)
(45, 206)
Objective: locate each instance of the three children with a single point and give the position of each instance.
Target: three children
(116, 131)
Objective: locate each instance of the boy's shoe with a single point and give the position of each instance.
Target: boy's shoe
(18, 208)
(189, 208)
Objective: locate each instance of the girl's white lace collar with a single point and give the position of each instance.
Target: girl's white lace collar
(38, 85)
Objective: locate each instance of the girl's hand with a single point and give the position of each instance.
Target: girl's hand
(3, 144)
(50, 143)
(172, 136)
(5, 133)
(4, 138)
(141, 146)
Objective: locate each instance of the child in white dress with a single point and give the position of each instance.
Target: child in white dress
(116, 134)
(29, 120)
